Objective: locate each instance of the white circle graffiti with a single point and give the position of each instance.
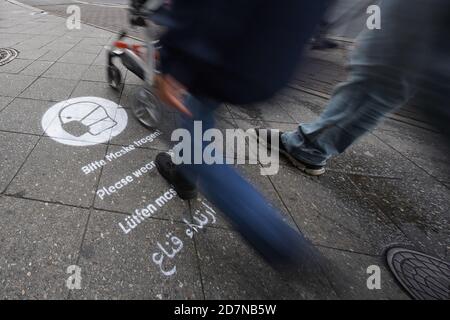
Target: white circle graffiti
(84, 121)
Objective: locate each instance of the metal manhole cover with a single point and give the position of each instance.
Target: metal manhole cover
(423, 276)
(7, 55)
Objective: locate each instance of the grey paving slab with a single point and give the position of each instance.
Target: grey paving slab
(87, 41)
(65, 71)
(129, 91)
(78, 57)
(32, 54)
(426, 149)
(418, 205)
(95, 89)
(269, 111)
(36, 42)
(39, 241)
(120, 266)
(302, 107)
(136, 132)
(50, 89)
(12, 85)
(37, 68)
(371, 156)
(59, 46)
(348, 272)
(132, 79)
(232, 270)
(97, 73)
(332, 212)
(263, 184)
(24, 116)
(15, 149)
(101, 59)
(144, 188)
(53, 172)
(4, 101)
(15, 66)
(10, 39)
(52, 55)
(291, 98)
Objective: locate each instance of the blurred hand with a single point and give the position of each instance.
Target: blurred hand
(171, 92)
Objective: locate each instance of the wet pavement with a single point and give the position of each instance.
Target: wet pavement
(61, 204)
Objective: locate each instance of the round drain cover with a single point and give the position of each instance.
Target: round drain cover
(423, 276)
(7, 55)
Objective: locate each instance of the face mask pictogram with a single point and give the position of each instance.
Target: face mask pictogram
(86, 117)
(84, 121)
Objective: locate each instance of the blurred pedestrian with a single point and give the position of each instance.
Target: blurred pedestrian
(410, 54)
(239, 52)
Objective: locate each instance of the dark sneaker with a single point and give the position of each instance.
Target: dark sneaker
(312, 170)
(323, 44)
(184, 188)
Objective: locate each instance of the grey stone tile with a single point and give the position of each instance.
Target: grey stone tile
(37, 68)
(24, 116)
(65, 71)
(59, 46)
(132, 79)
(87, 48)
(52, 55)
(135, 131)
(370, 156)
(417, 204)
(348, 274)
(95, 89)
(332, 212)
(101, 59)
(269, 111)
(145, 187)
(78, 58)
(87, 41)
(297, 103)
(262, 183)
(13, 84)
(15, 66)
(39, 241)
(4, 101)
(15, 149)
(127, 100)
(426, 149)
(97, 73)
(53, 172)
(32, 54)
(119, 266)
(301, 108)
(232, 270)
(50, 89)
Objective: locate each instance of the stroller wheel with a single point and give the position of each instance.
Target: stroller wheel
(114, 77)
(147, 108)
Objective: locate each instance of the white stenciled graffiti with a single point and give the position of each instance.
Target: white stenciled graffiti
(84, 121)
(139, 215)
(173, 245)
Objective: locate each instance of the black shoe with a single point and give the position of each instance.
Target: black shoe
(323, 44)
(184, 188)
(311, 169)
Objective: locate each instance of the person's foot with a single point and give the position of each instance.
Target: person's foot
(312, 170)
(168, 170)
(323, 44)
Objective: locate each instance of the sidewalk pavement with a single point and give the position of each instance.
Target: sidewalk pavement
(390, 188)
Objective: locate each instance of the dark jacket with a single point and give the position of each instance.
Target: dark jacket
(237, 51)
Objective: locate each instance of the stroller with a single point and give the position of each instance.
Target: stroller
(142, 60)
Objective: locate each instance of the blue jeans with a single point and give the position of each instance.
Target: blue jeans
(254, 217)
(385, 70)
